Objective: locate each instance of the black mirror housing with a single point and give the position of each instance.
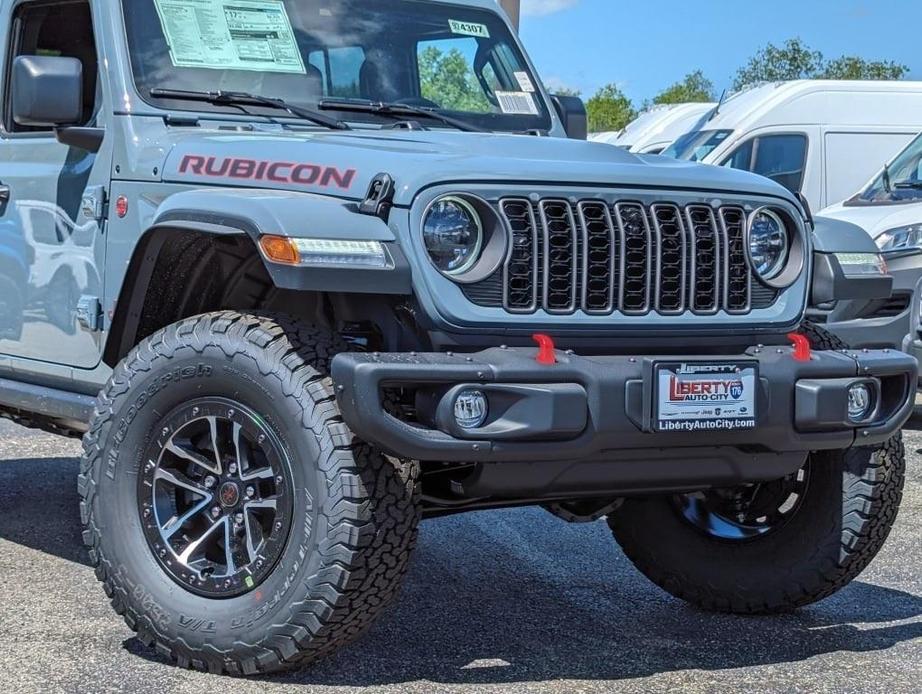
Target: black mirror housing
(572, 112)
(47, 91)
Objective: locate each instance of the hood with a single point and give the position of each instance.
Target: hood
(344, 164)
(876, 219)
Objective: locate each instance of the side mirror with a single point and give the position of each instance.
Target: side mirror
(572, 112)
(47, 91)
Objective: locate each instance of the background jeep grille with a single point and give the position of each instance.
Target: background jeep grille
(626, 257)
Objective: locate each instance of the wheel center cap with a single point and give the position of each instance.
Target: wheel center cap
(229, 494)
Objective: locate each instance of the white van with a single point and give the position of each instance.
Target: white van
(656, 128)
(822, 138)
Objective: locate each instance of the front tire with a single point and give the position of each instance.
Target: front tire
(834, 517)
(772, 547)
(232, 517)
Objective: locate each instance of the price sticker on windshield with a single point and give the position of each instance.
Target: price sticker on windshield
(469, 29)
(251, 35)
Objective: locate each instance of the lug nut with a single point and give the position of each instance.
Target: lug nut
(238, 518)
(215, 512)
(232, 468)
(210, 482)
(251, 492)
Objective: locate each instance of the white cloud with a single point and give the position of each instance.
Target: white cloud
(539, 8)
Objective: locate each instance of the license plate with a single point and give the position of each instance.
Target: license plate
(705, 397)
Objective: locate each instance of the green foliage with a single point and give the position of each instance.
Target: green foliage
(449, 80)
(695, 87)
(609, 109)
(566, 91)
(792, 61)
(851, 67)
(795, 60)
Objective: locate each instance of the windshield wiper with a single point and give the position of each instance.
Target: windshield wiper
(223, 98)
(908, 185)
(395, 110)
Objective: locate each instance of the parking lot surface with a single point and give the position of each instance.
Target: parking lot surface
(507, 601)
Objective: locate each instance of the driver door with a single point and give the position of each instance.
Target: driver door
(51, 248)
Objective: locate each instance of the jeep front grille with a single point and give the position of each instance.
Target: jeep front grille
(626, 257)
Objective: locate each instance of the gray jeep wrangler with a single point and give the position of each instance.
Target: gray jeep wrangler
(344, 270)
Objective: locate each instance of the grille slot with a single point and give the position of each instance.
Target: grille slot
(706, 255)
(738, 281)
(638, 256)
(601, 258)
(627, 257)
(671, 277)
(560, 256)
(521, 269)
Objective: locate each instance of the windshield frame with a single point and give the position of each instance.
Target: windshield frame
(547, 119)
(910, 151)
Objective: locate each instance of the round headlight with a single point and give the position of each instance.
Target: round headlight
(769, 244)
(453, 235)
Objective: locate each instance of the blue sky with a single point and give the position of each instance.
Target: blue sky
(645, 46)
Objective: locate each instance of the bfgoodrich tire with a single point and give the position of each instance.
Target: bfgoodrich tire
(233, 519)
(697, 550)
(772, 547)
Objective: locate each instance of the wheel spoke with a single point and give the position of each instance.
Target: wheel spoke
(174, 524)
(196, 544)
(177, 479)
(250, 544)
(192, 457)
(213, 425)
(230, 565)
(260, 474)
(262, 503)
(243, 460)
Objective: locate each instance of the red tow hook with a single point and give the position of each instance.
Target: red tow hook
(546, 350)
(802, 351)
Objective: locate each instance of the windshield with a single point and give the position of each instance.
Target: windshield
(900, 182)
(697, 145)
(456, 60)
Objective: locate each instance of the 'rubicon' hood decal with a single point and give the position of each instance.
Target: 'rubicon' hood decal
(283, 172)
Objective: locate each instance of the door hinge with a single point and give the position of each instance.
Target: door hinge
(94, 203)
(89, 313)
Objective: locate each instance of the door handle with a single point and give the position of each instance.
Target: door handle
(4, 193)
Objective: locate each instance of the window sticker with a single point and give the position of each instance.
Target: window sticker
(517, 103)
(469, 29)
(230, 35)
(525, 82)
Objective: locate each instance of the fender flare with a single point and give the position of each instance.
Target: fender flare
(253, 213)
(293, 215)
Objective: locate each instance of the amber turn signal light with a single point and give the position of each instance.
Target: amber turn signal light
(279, 249)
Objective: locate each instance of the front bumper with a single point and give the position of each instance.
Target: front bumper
(601, 407)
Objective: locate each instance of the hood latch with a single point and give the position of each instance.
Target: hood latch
(380, 197)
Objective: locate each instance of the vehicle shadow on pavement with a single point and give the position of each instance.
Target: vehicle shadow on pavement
(518, 596)
(39, 506)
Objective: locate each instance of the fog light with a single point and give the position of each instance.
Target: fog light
(860, 401)
(471, 409)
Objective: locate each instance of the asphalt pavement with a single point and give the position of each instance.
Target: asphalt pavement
(505, 601)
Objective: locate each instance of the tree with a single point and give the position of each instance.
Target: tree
(565, 91)
(694, 88)
(449, 80)
(609, 109)
(851, 67)
(793, 61)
